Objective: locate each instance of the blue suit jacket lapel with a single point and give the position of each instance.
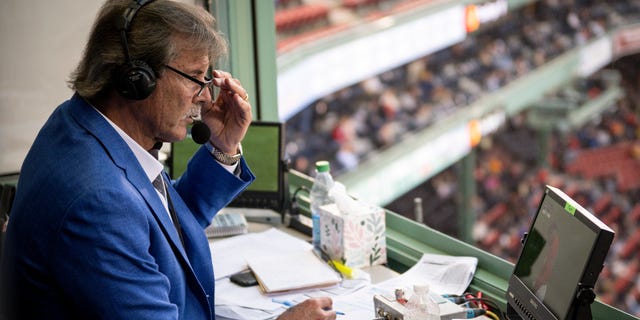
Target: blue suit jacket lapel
(122, 156)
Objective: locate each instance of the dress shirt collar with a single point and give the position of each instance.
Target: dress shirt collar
(151, 166)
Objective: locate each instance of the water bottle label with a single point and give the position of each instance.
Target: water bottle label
(315, 235)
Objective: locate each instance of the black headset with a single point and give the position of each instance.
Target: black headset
(134, 80)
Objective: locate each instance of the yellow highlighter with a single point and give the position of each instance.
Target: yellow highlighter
(344, 270)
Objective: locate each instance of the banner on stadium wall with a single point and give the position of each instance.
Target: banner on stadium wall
(397, 43)
(595, 56)
(626, 41)
(478, 14)
(486, 125)
(413, 167)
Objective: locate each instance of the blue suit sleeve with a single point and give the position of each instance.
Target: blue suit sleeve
(206, 187)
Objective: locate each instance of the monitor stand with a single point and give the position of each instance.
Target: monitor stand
(581, 308)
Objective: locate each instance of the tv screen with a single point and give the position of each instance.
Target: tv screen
(263, 150)
(563, 252)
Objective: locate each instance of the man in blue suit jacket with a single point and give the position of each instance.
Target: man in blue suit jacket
(89, 236)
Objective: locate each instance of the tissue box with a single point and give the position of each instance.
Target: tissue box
(356, 239)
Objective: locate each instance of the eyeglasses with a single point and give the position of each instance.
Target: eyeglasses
(208, 83)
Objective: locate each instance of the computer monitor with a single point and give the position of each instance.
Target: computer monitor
(264, 152)
(561, 259)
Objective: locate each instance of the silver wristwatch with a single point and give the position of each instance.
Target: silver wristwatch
(227, 158)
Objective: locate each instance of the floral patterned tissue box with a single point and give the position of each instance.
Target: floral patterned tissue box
(356, 239)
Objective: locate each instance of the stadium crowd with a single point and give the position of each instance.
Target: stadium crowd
(510, 178)
(355, 123)
(507, 178)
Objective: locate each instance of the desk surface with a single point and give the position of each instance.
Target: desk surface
(378, 273)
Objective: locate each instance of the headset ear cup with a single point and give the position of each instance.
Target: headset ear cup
(136, 80)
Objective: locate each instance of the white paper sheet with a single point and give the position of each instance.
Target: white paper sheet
(444, 274)
(230, 255)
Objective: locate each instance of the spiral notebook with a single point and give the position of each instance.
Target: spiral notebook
(227, 224)
(290, 271)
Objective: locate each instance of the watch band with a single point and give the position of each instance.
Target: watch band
(227, 158)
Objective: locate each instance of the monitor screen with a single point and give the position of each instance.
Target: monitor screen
(263, 150)
(564, 250)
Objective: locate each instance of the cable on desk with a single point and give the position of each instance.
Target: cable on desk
(293, 218)
(490, 305)
(293, 204)
(492, 315)
(477, 301)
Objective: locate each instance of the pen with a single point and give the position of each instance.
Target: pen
(337, 312)
(285, 303)
(288, 304)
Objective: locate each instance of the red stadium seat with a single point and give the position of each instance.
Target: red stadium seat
(495, 213)
(601, 204)
(300, 16)
(635, 213)
(630, 246)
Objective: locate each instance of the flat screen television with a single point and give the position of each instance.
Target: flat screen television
(561, 259)
(264, 152)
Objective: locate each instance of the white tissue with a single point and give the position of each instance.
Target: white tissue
(345, 203)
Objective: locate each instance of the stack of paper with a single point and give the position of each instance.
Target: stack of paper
(289, 271)
(230, 255)
(267, 253)
(444, 274)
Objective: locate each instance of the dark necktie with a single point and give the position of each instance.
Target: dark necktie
(160, 185)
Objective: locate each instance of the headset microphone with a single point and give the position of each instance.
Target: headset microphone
(200, 132)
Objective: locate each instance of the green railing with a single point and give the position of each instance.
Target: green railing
(407, 240)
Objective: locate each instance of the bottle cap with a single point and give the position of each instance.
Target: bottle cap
(322, 166)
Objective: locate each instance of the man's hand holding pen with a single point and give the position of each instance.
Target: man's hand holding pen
(312, 309)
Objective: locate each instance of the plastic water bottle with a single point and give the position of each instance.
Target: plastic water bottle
(320, 196)
(421, 305)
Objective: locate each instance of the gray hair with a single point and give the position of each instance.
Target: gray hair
(151, 38)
